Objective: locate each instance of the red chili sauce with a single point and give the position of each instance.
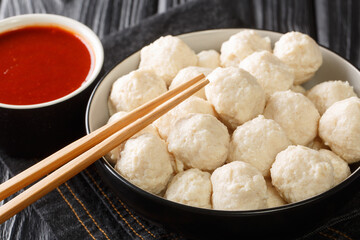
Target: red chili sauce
(40, 64)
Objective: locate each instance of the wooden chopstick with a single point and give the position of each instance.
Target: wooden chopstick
(79, 163)
(74, 149)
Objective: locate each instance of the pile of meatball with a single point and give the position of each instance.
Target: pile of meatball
(253, 138)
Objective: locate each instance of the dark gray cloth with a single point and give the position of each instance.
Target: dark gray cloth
(85, 208)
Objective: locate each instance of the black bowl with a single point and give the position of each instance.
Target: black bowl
(282, 222)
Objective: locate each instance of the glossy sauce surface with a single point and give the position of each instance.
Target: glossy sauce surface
(40, 64)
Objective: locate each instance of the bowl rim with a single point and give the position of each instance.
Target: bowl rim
(84, 33)
(103, 163)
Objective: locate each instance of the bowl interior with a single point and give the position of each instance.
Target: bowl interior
(333, 68)
(88, 37)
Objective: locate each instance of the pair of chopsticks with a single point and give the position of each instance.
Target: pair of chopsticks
(69, 161)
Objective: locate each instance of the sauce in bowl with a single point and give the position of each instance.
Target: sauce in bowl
(39, 64)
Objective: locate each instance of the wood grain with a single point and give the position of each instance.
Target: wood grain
(104, 17)
(338, 27)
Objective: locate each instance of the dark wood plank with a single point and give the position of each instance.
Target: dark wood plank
(338, 27)
(285, 15)
(104, 17)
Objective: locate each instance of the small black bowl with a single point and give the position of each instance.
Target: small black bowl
(38, 130)
(283, 222)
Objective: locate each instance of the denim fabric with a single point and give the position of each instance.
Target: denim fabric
(85, 208)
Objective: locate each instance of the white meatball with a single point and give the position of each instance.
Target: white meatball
(301, 53)
(295, 113)
(241, 45)
(299, 173)
(274, 199)
(339, 127)
(238, 186)
(146, 163)
(192, 187)
(272, 74)
(259, 133)
(341, 168)
(209, 59)
(166, 56)
(235, 94)
(134, 89)
(327, 93)
(191, 105)
(187, 74)
(199, 141)
(114, 155)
